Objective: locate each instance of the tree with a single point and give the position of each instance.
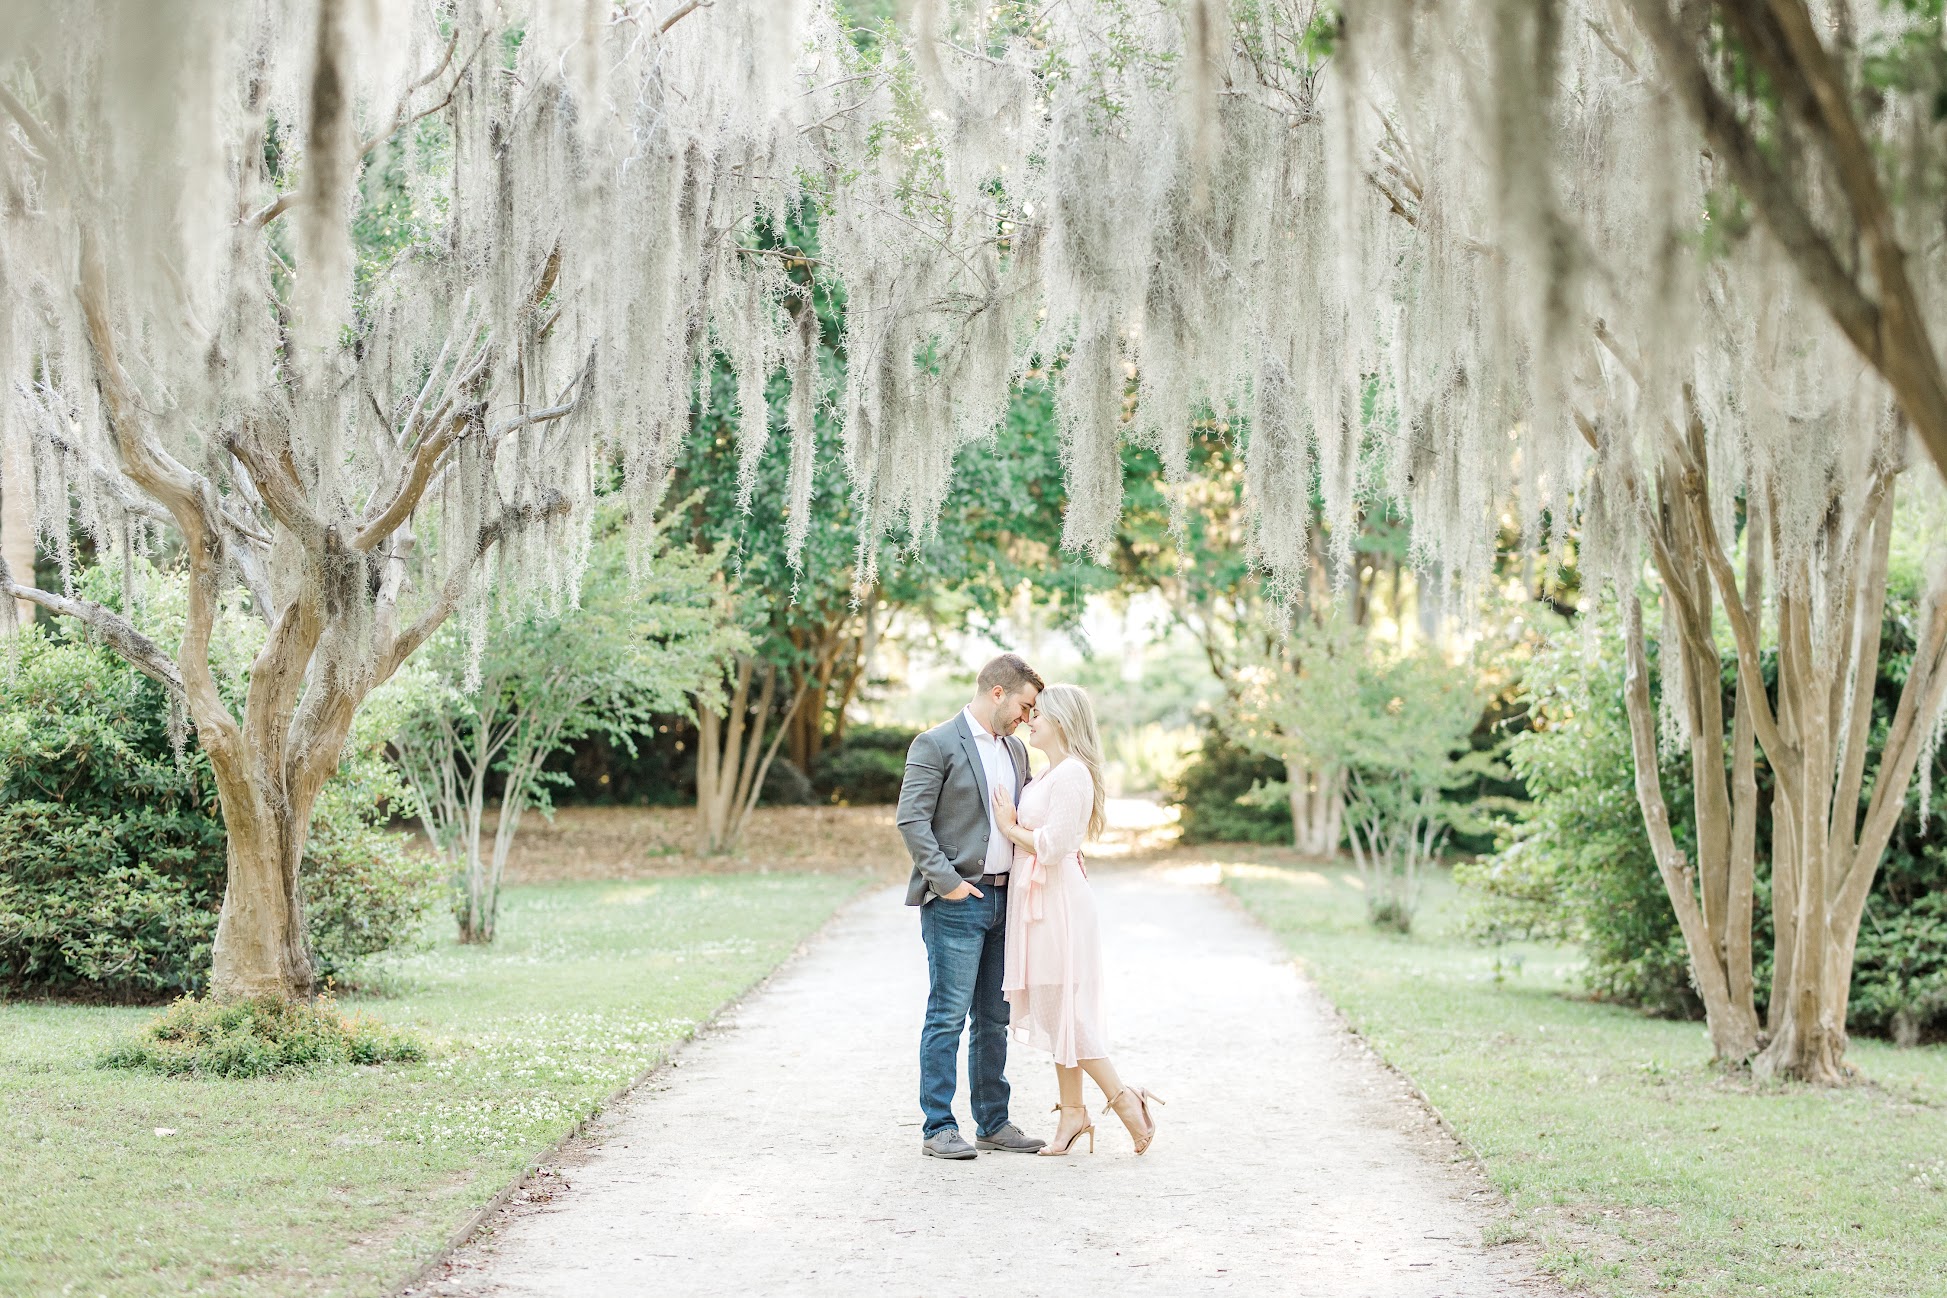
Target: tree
(1834, 145)
(1373, 736)
(1717, 420)
(16, 510)
(630, 649)
(792, 524)
(1297, 701)
(1405, 748)
(297, 421)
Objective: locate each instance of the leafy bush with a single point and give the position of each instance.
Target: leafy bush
(253, 1038)
(112, 848)
(1212, 790)
(867, 766)
(1899, 973)
(1579, 864)
(364, 890)
(786, 786)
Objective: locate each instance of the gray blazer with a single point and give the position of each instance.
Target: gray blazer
(943, 807)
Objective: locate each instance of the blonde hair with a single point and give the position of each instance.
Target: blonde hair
(1069, 708)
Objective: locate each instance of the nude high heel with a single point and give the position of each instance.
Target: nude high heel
(1143, 1099)
(1068, 1147)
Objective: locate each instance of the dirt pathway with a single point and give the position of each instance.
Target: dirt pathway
(781, 1155)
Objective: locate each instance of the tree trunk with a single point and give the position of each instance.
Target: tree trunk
(1732, 1025)
(17, 516)
(732, 758)
(1816, 739)
(261, 947)
(1317, 808)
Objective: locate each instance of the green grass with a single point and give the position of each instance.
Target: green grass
(340, 1180)
(1634, 1166)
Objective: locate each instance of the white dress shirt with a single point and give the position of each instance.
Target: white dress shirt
(998, 764)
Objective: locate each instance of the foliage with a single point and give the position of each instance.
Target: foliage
(1300, 700)
(261, 1036)
(112, 854)
(1214, 792)
(1578, 864)
(868, 766)
(1405, 748)
(1395, 725)
(817, 592)
(1899, 971)
(110, 851)
(365, 889)
(502, 702)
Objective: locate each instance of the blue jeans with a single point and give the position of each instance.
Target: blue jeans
(964, 942)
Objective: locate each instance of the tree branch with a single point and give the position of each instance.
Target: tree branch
(681, 12)
(1780, 210)
(142, 653)
(399, 122)
(552, 505)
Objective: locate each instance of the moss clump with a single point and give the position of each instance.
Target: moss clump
(253, 1038)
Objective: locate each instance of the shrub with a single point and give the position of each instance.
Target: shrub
(364, 891)
(1579, 850)
(1900, 970)
(786, 786)
(1212, 789)
(112, 849)
(253, 1038)
(867, 766)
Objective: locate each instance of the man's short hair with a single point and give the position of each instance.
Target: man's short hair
(1009, 671)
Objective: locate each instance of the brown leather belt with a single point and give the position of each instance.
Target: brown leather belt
(993, 881)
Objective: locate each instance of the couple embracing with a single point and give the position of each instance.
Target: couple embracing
(1005, 910)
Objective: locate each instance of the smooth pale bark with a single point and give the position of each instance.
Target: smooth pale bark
(1731, 1023)
(448, 767)
(1817, 738)
(733, 757)
(1317, 808)
(1713, 896)
(1393, 851)
(17, 515)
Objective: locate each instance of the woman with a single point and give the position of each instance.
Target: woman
(1053, 979)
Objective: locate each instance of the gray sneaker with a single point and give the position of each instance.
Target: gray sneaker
(1010, 1137)
(946, 1144)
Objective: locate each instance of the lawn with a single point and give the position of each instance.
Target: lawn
(341, 1181)
(1636, 1168)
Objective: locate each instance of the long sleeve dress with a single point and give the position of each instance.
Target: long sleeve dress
(1053, 975)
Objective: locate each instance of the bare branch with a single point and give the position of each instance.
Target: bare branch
(502, 526)
(1744, 630)
(142, 653)
(277, 486)
(399, 121)
(682, 11)
(411, 488)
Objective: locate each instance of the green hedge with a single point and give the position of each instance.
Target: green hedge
(112, 850)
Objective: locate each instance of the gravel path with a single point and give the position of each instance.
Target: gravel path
(781, 1153)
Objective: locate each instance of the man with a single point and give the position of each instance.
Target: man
(960, 868)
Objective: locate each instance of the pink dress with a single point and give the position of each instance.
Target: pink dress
(1053, 977)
